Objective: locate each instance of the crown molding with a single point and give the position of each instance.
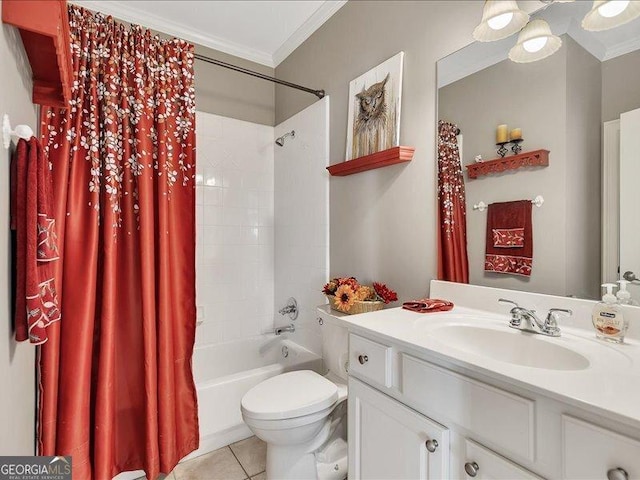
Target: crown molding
(130, 14)
(622, 48)
(315, 21)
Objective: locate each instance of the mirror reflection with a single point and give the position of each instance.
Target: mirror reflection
(581, 104)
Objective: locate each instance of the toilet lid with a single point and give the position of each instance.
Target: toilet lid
(289, 395)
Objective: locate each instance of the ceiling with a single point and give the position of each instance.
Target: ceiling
(563, 18)
(265, 32)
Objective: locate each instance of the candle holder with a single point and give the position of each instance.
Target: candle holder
(516, 149)
(502, 150)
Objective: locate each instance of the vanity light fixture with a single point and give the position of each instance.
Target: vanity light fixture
(500, 19)
(606, 14)
(535, 42)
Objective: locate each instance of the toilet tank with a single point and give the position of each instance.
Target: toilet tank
(335, 343)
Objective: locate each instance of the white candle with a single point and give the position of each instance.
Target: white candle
(501, 134)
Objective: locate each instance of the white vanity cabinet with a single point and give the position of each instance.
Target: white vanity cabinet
(388, 440)
(483, 464)
(591, 452)
(412, 417)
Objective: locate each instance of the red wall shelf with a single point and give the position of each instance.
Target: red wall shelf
(375, 160)
(44, 28)
(535, 158)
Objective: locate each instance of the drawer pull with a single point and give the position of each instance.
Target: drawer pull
(471, 468)
(432, 445)
(617, 474)
(363, 359)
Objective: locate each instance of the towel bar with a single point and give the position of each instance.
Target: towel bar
(538, 201)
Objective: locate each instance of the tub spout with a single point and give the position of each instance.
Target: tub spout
(280, 330)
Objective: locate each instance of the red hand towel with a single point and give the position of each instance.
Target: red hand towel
(32, 204)
(428, 305)
(509, 239)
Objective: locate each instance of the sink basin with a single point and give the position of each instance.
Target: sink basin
(511, 346)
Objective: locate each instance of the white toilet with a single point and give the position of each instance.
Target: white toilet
(302, 416)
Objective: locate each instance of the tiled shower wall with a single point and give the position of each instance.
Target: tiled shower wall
(235, 228)
(302, 219)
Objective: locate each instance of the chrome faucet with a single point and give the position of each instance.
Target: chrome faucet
(527, 320)
(280, 330)
(291, 309)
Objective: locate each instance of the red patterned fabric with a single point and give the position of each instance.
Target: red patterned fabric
(508, 264)
(453, 263)
(428, 305)
(116, 383)
(505, 253)
(36, 242)
(508, 237)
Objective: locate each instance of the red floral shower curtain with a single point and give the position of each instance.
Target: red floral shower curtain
(453, 264)
(116, 384)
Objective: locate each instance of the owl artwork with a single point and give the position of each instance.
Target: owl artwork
(374, 109)
(370, 128)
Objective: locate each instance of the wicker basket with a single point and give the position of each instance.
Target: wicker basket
(358, 306)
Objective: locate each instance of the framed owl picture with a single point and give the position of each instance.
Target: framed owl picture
(374, 109)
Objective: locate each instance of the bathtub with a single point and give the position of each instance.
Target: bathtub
(225, 372)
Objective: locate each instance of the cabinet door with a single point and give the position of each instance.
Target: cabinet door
(388, 440)
(591, 452)
(483, 464)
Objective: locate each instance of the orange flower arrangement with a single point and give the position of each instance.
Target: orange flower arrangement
(346, 291)
(345, 297)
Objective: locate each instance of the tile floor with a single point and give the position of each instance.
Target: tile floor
(239, 461)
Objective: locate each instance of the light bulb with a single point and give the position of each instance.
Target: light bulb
(535, 44)
(500, 21)
(613, 8)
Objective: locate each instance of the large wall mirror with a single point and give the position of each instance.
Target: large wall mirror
(578, 104)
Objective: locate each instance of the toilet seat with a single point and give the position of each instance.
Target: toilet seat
(302, 393)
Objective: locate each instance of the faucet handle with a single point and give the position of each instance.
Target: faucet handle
(505, 301)
(552, 318)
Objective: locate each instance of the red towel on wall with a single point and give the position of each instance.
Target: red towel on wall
(509, 241)
(36, 246)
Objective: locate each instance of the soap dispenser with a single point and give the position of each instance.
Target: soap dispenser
(623, 295)
(607, 317)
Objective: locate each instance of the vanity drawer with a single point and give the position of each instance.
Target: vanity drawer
(487, 464)
(590, 452)
(501, 418)
(370, 360)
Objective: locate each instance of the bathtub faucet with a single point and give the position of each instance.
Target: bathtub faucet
(291, 309)
(287, 310)
(280, 330)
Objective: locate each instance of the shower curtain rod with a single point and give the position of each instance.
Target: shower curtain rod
(246, 71)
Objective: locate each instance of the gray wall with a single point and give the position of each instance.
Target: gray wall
(232, 94)
(556, 102)
(382, 222)
(620, 92)
(583, 176)
(17, 375)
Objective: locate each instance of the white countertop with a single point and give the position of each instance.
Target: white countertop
(610, 385)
